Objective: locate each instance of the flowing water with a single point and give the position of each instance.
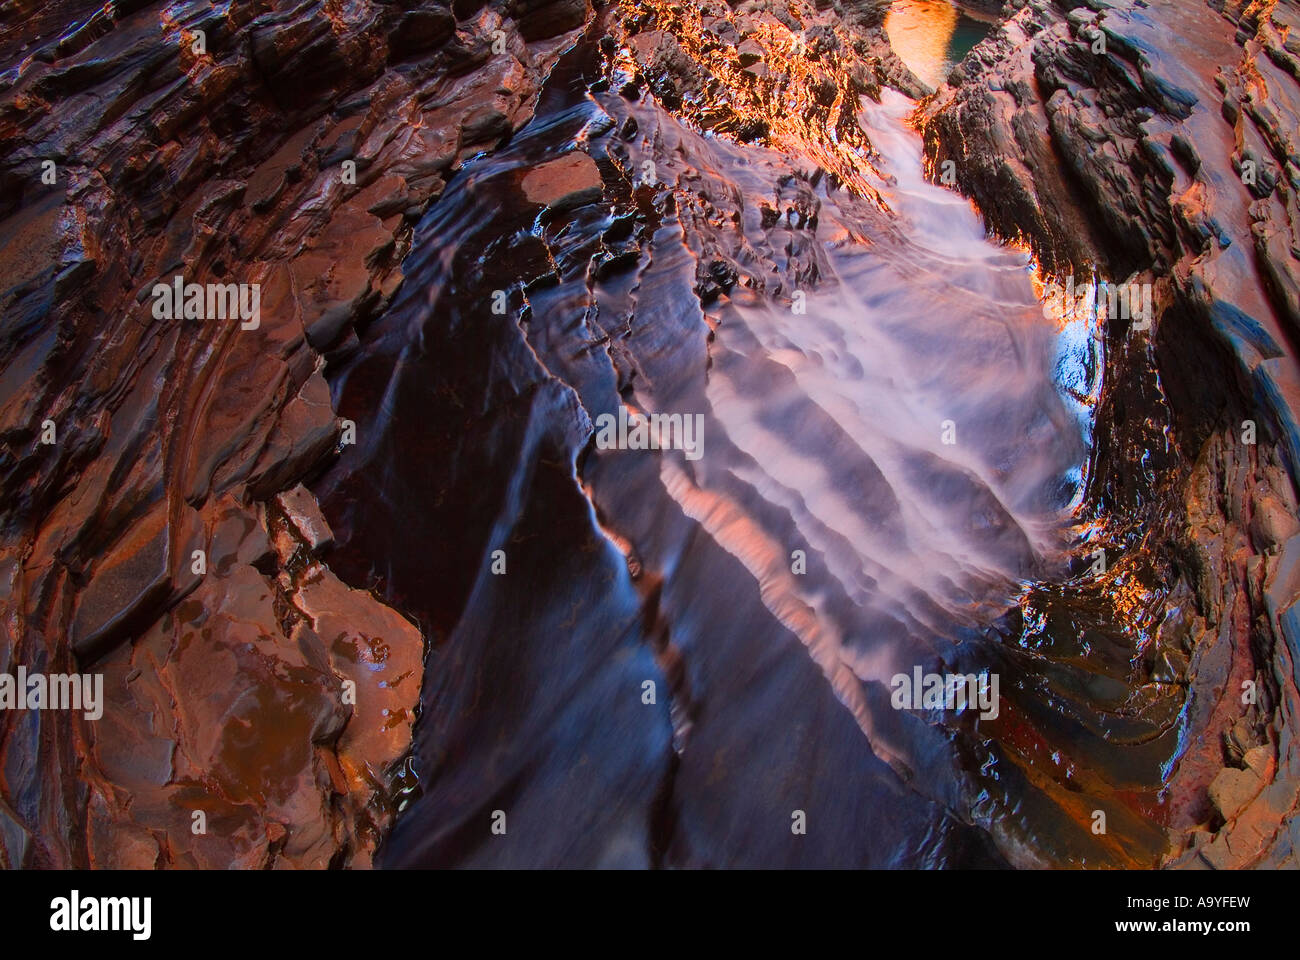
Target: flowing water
(679, 656)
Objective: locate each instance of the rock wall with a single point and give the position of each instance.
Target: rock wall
(1155, 143)
(154, 524)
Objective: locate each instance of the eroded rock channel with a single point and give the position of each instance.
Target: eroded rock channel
(398, 563)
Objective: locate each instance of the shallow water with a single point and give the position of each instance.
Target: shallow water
(887, 461)
(931, 36)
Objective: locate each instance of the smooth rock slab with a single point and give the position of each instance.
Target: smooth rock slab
(571, 181)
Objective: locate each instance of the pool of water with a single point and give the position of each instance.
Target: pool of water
(931, 36)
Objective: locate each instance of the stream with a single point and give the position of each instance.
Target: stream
(643, 657)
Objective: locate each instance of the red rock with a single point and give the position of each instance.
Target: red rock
(570, 181)
(174, 435)
(304, 513)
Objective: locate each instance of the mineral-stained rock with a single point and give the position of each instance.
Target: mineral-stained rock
(167, 479)
(301, 510)
(570, 181)
(142, 575)
(1232, 789)
(1145, 141)
(540, 19)
(165, 538)
(749, 52)
(421, 30)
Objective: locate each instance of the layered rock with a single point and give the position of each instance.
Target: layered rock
(154, 525)
(1152, 143)
(784, 75)
(473, 228)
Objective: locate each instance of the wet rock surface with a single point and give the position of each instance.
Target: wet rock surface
(1151, 143)
(163, 536)
(645, 618)
(366, 585)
